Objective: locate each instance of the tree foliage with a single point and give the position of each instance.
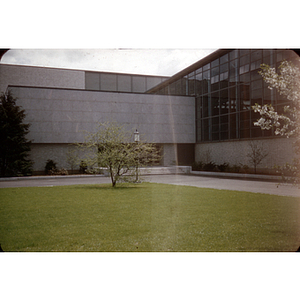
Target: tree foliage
(287, 83)
(14, 146)
(112, 147)
(286, 123)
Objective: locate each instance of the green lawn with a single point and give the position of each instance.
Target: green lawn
(146, 217)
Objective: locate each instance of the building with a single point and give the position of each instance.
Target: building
(201, 113)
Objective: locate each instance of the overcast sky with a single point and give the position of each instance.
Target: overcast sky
(165, 62)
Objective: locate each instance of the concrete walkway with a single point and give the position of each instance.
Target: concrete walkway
(254, 186)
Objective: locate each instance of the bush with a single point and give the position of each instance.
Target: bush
(82, 167)
(211, 166)
(200, 166)
(224, 167)
(197, 166)
(62, 172)
(50, 167)
(235, 169)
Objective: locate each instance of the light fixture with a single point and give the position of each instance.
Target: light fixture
(136, 136)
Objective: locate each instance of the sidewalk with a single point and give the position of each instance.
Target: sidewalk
(255, 186)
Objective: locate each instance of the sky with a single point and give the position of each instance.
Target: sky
(164, 62)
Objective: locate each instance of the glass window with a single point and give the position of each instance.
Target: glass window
(138, 84)
(267, 52)
(224, 101)
(206, 75)
(191, 75)
(178, 87)
(255, 65)
(199, 70)
(224, 58)
(223, 68)
(244, 52)
(233, 96)
(245, 124)
(206, 67)
(215, 83)
(92, 81)
(198, 84)
(184, 86)
(256, 96)
(172, 88)
(245, 78)
(244, 69)
(191, 83)
(214, 71)
(108, 82)
(224, 134)
(244, 97)
(223, 80)
(256, 55)
(245, 60)
(245, 120)
(198, 108)
(206, 82)
(268, 95)
(206, 129)
(234, 54)
(205, 105)
(191, 86)
(233, 125)
(256, 84)
(152, 82)
(215, 104)
(233, 71)
(224, 76)
(215, 78)
(124, 83)
(215, 63)
(215, 128)
(268, 60)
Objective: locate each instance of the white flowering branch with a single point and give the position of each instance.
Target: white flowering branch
(287, 83)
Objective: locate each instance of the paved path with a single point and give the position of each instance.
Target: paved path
(254, 186)
(197, 181)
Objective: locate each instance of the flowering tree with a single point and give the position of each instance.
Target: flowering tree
(287, 83)
(111, 147)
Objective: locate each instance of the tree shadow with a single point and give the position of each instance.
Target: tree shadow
(108, 186)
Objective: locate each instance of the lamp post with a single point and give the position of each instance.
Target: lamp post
(137, 139)
(136, 136)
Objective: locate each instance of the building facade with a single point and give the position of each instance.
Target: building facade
(201, 113)
(226, 84)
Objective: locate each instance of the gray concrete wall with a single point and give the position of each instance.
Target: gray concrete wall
(40, 77)
(169, 154)
(280, 151)
(59, 153)
(59, 117)
(62, 116)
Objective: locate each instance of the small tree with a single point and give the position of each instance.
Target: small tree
(14, 146)
(111, 147)
(256, 154)
(72, 159)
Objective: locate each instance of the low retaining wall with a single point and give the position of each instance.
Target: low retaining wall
(159, 170)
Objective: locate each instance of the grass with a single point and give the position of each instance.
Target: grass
(146, 217)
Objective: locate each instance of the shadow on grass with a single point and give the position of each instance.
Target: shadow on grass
(108, 186)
